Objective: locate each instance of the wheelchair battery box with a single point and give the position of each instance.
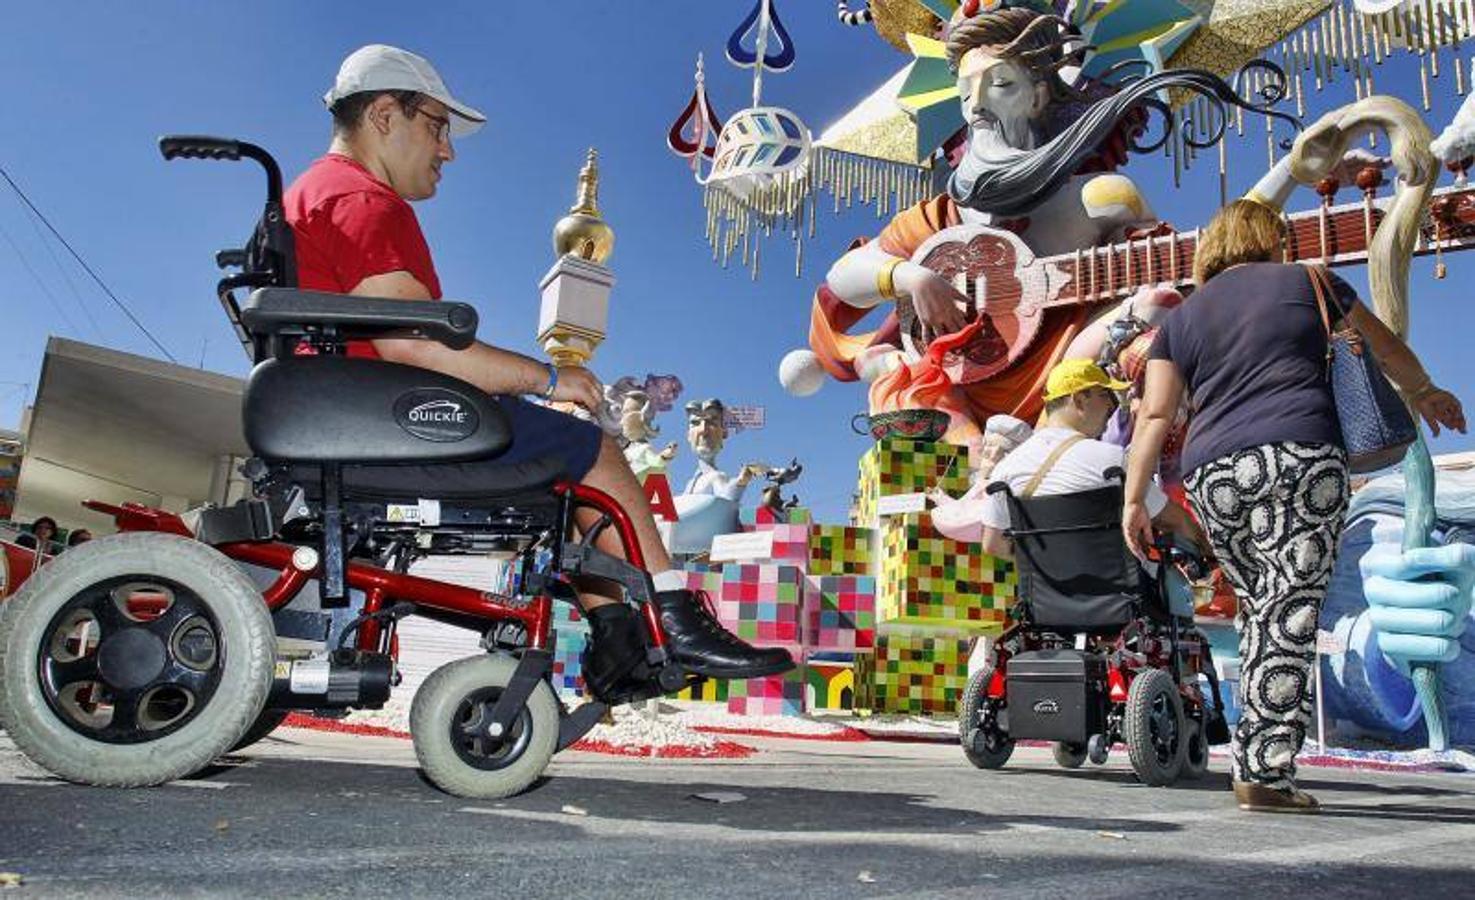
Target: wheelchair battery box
(1056, 695)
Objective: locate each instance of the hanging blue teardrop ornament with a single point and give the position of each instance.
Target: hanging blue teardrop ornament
(773, 61)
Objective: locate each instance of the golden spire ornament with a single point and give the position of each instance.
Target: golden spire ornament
(582, 233)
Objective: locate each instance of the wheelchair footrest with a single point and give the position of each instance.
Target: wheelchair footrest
(578, 723)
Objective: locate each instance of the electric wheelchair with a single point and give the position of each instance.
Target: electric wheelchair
(141, 657)
(1096, 654)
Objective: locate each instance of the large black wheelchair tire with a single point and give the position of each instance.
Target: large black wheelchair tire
(269, 720)
(221, 629)
(457, 694)
(985, 749)
(1155, 728)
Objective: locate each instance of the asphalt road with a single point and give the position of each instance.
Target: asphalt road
(311, 814)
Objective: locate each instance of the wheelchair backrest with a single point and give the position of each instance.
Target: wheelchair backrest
(318, 406)
(1075, 571)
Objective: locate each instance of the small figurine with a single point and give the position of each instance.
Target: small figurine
(637, 427)
(961, 519)
(773, 492)
(706, 433)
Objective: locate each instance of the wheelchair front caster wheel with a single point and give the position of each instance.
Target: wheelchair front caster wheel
(1196, 750)
(448, 722)
(1067, 755)
(1098, 749)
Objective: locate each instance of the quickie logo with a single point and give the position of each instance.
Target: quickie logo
(1046, 707)
(434, 414)
(439, 411)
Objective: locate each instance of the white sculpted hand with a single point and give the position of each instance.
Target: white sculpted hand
(939, 305)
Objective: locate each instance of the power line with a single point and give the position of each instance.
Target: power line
(66, 276)
(86, 268)
(55, 304)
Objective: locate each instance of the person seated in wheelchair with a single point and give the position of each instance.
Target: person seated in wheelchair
(393, 125)
(1065, 455)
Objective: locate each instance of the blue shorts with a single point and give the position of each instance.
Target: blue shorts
(539, 432)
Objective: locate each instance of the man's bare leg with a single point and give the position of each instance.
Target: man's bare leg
(611, 474)
(694, 638)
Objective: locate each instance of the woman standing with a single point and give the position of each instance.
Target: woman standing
(1266, 469)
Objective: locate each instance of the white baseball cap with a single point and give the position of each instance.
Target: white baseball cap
(380, 67)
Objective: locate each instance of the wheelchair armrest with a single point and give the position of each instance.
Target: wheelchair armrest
(995, 486)
(288, 311)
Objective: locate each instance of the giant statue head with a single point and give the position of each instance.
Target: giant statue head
(1007, 62)
(706, 429)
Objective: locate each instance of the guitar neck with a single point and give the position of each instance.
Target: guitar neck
(1331, 235)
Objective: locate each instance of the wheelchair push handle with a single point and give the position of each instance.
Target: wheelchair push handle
(204, 146)
(199, 146)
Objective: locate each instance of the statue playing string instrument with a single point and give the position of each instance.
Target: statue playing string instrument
(1009, 247)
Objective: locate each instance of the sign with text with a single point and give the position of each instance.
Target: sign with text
(745, 545)
(896, 504)
(745, 418)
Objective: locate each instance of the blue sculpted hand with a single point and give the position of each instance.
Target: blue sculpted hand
(1419, 600)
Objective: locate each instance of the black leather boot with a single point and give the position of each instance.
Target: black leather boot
(701, 645)
(616, 647)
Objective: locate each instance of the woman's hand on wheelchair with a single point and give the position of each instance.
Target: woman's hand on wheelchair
(1137, 528)
(579, 386)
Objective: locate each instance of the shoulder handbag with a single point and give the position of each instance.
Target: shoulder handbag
(1376, 425)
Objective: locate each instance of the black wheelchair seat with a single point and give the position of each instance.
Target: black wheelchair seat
(473, 482)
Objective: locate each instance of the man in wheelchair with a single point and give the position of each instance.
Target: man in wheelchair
(1098, 650)
(355, 233)
(143, 656)
(1066, 456)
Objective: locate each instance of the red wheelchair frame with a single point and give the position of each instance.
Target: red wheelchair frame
(381, 586)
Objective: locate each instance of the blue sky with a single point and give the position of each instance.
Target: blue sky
(92, 86)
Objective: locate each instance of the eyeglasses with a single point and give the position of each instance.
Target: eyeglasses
(440, 125)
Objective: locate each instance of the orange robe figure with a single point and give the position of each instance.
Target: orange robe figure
(923, 383)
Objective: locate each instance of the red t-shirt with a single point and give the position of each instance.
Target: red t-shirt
(348, 226)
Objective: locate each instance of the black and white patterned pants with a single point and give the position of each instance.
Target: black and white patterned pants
(1273, 514)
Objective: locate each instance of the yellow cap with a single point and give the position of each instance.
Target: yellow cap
(1071, 376)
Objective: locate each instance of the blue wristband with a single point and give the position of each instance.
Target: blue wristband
(552, 381)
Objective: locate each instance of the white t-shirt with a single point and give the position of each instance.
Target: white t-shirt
(1079, 469)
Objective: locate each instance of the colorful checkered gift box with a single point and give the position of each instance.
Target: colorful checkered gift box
(840, 612)
(929, 579)
(829, 682)
(713, 690)
(775, 695)
(913, 673)
(900, 466)
(568, 662)
(567, 617)
(790, 543)
(759, 602)
(704, 579)
(754, 517)
(841, 550)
